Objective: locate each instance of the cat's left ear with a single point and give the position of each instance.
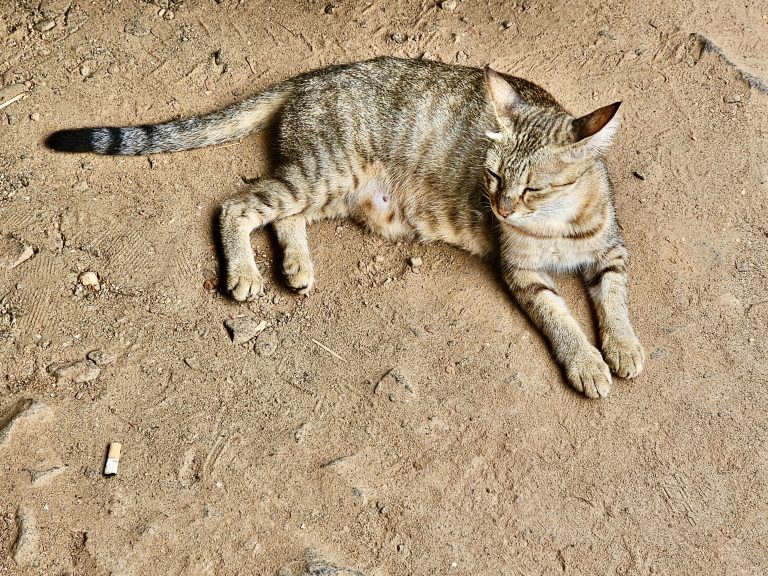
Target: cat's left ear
(506, 100)
(593, 133)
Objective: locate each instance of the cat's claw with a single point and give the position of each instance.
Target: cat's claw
(624, 356)
(588, 373)
(299, 272)
(244, 282)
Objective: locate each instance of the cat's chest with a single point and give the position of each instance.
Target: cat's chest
(553, 254)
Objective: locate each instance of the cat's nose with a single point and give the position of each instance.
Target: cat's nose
(505, 206)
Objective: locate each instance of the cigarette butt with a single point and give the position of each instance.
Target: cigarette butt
(113, 458)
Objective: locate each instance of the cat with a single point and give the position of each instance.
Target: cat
(427, 151)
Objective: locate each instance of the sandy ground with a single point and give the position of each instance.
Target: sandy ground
(237, 458)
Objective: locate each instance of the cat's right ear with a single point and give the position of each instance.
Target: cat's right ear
(506, 101)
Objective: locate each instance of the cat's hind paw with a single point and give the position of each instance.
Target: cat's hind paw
(244, 282)
(625, 356)
(298, 272)
(588, 373)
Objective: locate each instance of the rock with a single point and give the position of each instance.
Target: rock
(23, 411)
(449, 5)
(658, 353)
(90, 280)
(24, 549)
(244, 328)
(192, 362)
(169, 15)
(84, 70)
(44, 25)
(396, 387)
(77, 371)
(266, 345)
(415, 261)
(44, 477)
(742, 265)
(639, 175)
(732, 98)
(316, 564)
(25, 255)
(136, 28)
(100, 358)
(35, 116)
(399, 37)
(329, 8)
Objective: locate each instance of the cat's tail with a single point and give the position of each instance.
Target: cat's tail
(236, 121)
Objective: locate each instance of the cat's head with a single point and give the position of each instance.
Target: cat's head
(537, 168)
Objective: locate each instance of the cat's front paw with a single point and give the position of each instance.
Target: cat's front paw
(298, 272)
(244, 282)
(624, 355)
(588, 373)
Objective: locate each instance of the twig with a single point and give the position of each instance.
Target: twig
(12, 100)
(331, 352)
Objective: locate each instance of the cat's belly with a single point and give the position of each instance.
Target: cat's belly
(375, 204)
(554, 255)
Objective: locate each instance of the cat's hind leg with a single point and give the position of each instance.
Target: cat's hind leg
(268, 199)
(298, 270)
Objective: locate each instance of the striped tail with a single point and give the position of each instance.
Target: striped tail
(236, 121)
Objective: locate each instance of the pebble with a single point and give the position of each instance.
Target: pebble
(329, 8)
(244, 328)
(35, 116)
(84, 71)
(658, 353)
(90, 280)
(742, 265)
(379, 258)
(44, 25)
(192, 362)
(77, 371)
(136, 28)
(462, 56)
(169, 15)
(399, 37)
(639, 175)
(732, 98)
(449, 5)
(44, 477)
(396, 387)
(266, 345)
(415, 261)
(100, 358)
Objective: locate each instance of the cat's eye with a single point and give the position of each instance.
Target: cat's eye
(495, 177)
(532, 190)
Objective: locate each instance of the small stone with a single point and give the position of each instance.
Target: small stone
(100, 358)
(24, 410)
(658, 353)
(399, 37)
(136, 28)
(25, 548)
(462, 56)
(34, 116)
(81, 186)
(90, 280)
(639, 175)
(379, 258)
(415, 261)
(449, 5)
(192, 362)
(84, 71)
(44, 25)
(732, 98)
(244, 328)
(266, 345)
(79, 395)
(169, 15)
(742, 265)
(161, 12)
(329, 8)
(77, 371)
(43, 477)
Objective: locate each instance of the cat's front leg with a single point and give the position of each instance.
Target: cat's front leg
(607, 284)
(581, 362)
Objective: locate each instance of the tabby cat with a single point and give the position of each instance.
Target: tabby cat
(428, 151)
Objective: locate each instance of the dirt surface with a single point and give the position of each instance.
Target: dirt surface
(439, 436)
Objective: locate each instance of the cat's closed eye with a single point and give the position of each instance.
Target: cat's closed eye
(494, 178)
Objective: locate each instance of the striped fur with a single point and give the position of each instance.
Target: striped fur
(427, 151)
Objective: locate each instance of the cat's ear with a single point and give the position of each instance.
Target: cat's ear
(506, 101)
(593, 133)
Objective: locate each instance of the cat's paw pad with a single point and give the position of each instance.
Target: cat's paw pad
(298, 272)
(588, 373)
(625, 356)
(244, 282)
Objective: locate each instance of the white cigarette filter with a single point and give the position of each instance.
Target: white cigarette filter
(113, 458)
